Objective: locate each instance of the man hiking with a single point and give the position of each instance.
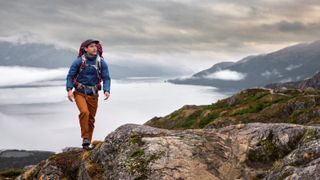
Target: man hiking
(85, 75)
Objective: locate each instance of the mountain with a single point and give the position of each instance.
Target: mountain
(214, 68)
(49, 56)
(292, 63)
(34, 55)
(312, 82)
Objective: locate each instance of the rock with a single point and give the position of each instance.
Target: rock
(67, 149)
(243, 151)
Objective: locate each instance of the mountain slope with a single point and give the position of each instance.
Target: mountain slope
(289, 64)
(249, 105)
(312, 82)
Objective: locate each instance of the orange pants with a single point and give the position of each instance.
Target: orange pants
(87, 105)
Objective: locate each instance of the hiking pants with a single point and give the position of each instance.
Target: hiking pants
(87, 105)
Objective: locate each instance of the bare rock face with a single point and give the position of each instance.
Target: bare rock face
(243, 151)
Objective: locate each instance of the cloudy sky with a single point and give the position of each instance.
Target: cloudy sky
(192, 33)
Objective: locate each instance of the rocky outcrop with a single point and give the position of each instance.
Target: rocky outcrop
(243, 151)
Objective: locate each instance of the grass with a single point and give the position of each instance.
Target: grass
(207, 119)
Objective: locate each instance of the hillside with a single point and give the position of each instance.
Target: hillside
(249, 105)
(312, 82)
(293, 63)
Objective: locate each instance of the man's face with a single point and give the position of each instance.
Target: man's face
(91, 49)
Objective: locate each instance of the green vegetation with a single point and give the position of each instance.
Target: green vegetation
(10, 173)
(189, 121)
(268, 151)
(255, 108)
(309, 135)
(135, 139)
(207, 119)
(138, 162)
(249, 105)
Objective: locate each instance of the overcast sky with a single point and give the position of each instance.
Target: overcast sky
(191, 33)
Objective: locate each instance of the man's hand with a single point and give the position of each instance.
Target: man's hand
(106, 94)
(70, 95)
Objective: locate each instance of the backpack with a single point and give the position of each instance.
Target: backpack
(97, 66)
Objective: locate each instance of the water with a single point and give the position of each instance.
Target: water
(41, 118)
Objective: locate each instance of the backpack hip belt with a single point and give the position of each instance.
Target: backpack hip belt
(93, 88)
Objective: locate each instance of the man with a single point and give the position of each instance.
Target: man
(85, 77)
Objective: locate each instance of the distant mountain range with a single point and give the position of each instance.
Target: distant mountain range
(48, 56)
(293, 63)
(13, 158)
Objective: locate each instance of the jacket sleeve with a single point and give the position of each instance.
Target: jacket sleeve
(105, 76)
(72, 72)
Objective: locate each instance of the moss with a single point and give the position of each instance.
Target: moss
(135, 139)
(94, 170)
(267, 151)
(276, 164)
(207, 119)
(309, 135)
(138, 153)
(138, 162)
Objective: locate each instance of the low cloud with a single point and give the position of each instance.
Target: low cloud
(273, 73)
(226, 74)
(29, 75)
(293, 66)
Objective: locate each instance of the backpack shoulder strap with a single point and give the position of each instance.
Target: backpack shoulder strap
(82, 66)
(98, 63)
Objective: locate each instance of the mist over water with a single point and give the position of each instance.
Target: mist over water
(36, 115)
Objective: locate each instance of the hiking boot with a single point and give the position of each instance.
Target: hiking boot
(85, 142)
(87, 147)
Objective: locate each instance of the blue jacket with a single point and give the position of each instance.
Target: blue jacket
(88, 75)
